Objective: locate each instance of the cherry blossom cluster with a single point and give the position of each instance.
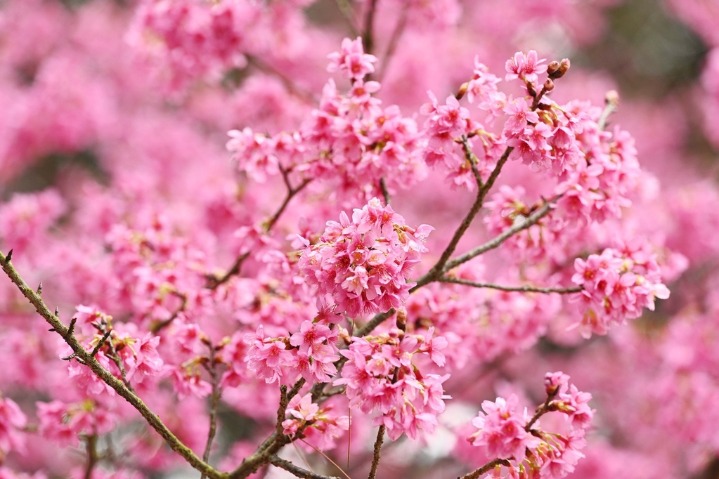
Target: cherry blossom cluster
(68, 422)
(27, 217)
(193, 38)
(319, 425)
(517, 439)
(361, 265)
(387, 374)
(310, 353)
(593, 171)
(12, 420)
(121, 349)
(159, 274)
(617, 285)
(351, 140)
(205, 314)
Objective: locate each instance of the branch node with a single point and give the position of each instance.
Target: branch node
(70, 328)
(101, 342)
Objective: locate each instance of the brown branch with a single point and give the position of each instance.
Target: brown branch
(385, 192)
(292, 191)
(439, 267)
(214, 404)
(472, 159)
(234, 269)
(116, 384)
(501, 238)
(276, 441)
(296, 470)
(156, 327)
(368, 28)
(100, 343)
(520, 289)
(92, 457)
(393, 43)
(374, 322)
(346, 10)
(377, 451)
(293, 88)
(486, 468)
(259, 458)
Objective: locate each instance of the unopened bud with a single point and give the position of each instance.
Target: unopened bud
(548, 86)
(462, 91)
(552, 68)
(558, 69)
(402, 320)
(611, 98)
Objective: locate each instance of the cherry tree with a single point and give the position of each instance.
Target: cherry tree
(378, 238)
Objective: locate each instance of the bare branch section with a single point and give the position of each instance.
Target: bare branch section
(495, 242)
(393, 44)
(611, 102)
(214, 403)
(296, 470)
(485, 469)
(290, 85)
(377, 452)
(292, 191)
(519, 289)
(368, 28)
(117, 385)
(439, 267)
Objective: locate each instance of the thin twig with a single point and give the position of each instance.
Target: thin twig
(374, 322)
(495, 242)
(368, 28)
(543, 409)
(495, 172)
(611, 102)
(296, 470)
(234, 269)
(214, 404)
(393, 43)
(276, 441)
(155, 328)
(486, 468)
(520, 289)
(377, 451)
(385, 192)
(259, 458)
(291, 192)
(293, 88)
(100, 343)
(92, 457)
(346, 10)
(117, 385)
(472, 159)
(439, 267)
(281, 410)
(268, 225)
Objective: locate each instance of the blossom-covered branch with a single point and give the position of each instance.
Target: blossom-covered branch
(91, 362)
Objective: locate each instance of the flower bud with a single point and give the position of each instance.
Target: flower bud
(558, 69)
(462, 91)
(402, 319)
